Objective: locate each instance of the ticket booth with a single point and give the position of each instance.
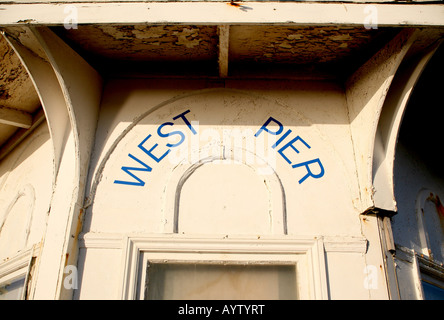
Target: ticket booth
(188, 158)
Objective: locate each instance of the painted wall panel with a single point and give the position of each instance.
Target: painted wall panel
(103, 282)
(25, 193)
(158, 136)
(347, 277)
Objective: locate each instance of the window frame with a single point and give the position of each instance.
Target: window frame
(16, 268)
(430, 272)
(307, 253)
(422, 269)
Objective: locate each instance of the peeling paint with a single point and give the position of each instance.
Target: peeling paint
(319, 49)
(16, 88)
(148, 43)
(439, 208)
(181, 42)
(341, 37)
(184, 37)
(26, 21)
(308, 44)
(285, 45)
(295, 37)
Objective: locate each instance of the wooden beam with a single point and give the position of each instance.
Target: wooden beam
(218, 12)
(224, 36)
(21, 134)
(14, 117)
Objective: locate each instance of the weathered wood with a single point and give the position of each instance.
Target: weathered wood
(291, 13)
(14, 117)
(224, 37)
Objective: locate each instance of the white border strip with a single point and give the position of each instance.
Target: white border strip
(290, 13)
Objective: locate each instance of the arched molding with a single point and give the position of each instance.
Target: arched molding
(26, 192)
(389, 125)
(422, 197)
(163, 220)
(182, 172)
(37, 64)
(428, 212)
(70, 92)
(96, 176)
(366, 91)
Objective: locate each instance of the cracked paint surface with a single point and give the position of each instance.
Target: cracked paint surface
(302, 45)
(16, 89)
(153, 43)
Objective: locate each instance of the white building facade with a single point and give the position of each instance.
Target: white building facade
(221, 150)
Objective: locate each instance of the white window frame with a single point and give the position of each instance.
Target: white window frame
(424, 196)
(306, 253)
(16, 268)
(417, 268)
(430, 272)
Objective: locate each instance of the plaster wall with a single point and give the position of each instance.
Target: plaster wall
(132, 110)
(25, 193)
(231, 193)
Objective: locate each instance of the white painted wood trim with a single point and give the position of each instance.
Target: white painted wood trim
(345, 244)
(16, 118)
(389, 124)
(312, 248)
(293, 13)
(101, 241)
(92, 240)
(16, 266)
